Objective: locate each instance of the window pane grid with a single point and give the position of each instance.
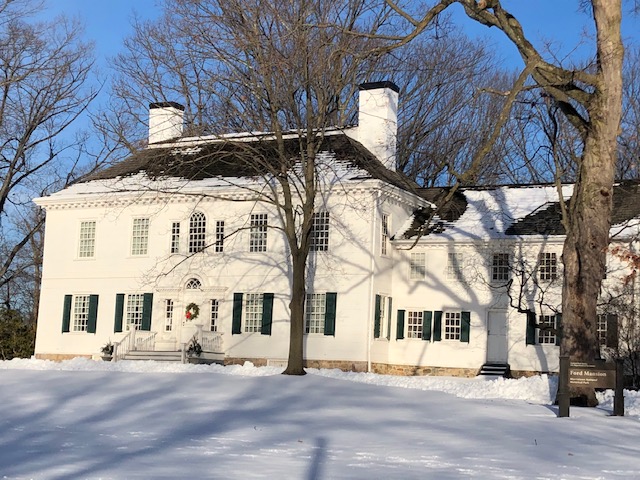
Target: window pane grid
(175, 237)
(452, 325)
(197, 231)
(320, 232)
(500, 267)
(193, 284)
(602, 329)
(547, 266)
(86, 247)
(134, 311)
(417, 270)
(454, 266)
(213, 324)
(253, 312)
(219, 247)
(384, 241)
(414, 324)
(168, 315)
(315, 312)
(547, 336)
(258, 233)
(81, 313)
(140, 236)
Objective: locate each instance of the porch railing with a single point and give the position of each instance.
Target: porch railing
(210, 341)
(132, 341)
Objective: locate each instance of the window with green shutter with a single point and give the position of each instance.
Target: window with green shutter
(236, 322)
(66, 313)
(400, 325)
(267, 313)
(117, 323)
(426, 325)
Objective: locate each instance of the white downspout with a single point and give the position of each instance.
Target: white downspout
(374, 217)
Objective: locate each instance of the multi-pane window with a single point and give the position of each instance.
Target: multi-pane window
(547, 267)
(193, 284)
(219, 247)
(454, 266)
(175, 237)
(253, 312)
(384, 233)
(80, 313)
(383, 314)
(414, 324)
(140, 236)
(168, 315)
(417, 265)
(258, 233)
(87, 244)
(314, 312)
(213, 320)
(500, 267)
(320, 232)
(452, 325)
(197, 232)
(547, 329)
(135, 304)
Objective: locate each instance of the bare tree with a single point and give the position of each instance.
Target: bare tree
(44, 68)
(592, 102)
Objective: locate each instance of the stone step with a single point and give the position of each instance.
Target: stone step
(495, 369)
(158, 356)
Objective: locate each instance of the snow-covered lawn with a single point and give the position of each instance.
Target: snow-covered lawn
(146, 420)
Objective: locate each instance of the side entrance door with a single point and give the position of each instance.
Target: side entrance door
(497, 347)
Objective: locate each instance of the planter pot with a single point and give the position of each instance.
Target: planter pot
(107, 358)
(196, 360)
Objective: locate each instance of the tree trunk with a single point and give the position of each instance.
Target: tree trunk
(295, 362)
(589, 214)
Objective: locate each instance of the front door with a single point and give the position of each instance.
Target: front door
(497, 348)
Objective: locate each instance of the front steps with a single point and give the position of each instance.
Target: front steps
(495, 369)
(172, 356)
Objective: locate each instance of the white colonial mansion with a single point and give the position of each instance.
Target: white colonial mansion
(390, 289)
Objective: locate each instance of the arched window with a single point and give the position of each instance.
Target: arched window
(197, 232)
(193, 284)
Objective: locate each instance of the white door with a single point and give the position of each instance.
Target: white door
(497, 348)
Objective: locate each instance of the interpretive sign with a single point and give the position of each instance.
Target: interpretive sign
(595, 375)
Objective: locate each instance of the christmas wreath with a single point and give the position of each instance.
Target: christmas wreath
(192, 311)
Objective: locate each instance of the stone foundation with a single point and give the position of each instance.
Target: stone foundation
(414, 370)
(58, 357)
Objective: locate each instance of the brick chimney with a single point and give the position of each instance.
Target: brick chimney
(166, 121)
(378, 120)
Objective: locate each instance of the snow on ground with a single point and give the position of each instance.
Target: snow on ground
(140, 420)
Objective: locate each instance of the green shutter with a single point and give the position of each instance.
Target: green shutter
(400, 325)
(117, 324)
(531, 328)
(612, 331)
(267, 313)
(66, 313)
(147, 308)
(93, 314)
(558, 329)
(376, 318)
(426, 325)
(437, 326)
(465, 326)
(330, 314)
(236, 322)
(389, 319)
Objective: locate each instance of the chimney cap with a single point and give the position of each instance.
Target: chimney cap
(166, 105)
(375, 85)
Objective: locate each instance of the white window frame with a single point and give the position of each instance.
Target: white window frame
(547, 266)
(415, 323)
(455, 263)
(384, 235)
(80, 315)
(253, 307)
(168, 314)
(134, 311)
(319, 236)
(140, 236)
(500, 267)
(383, 313)
(417, 265)
(214, 314)
(219, 246)
(175, 237)
(545, 336)
(315, 308)
(87, 239)
(452, 325)
(258, 232)
(197, 232)
(602, 324)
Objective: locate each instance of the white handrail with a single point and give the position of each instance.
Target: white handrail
(121, 348)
